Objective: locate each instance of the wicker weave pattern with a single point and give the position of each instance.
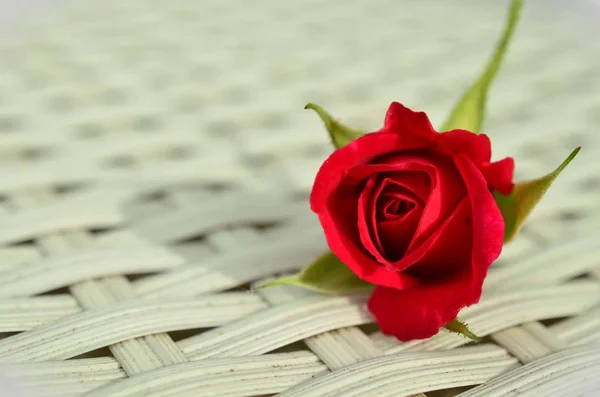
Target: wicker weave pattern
(156, 164)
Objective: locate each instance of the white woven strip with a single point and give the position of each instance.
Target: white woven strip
(51, 378)
(249, 375)
(60, 271)
(584, 328)
(569, 372)
(91, 208)
(336, 349)
(277, 326)
(231, 270)
(15, 256)
(529, 341)
(105, 366)
(405, 374)
(101, 327)
(546, 267)
(26, 313)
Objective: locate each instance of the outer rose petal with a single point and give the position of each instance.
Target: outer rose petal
(487, 221)
(499, 175)
(420, 312)
(476, 147)
(402, 120)
(415, 127)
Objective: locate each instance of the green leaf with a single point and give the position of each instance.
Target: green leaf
(461, 328)
(518, 205)
(468, 113)
(340, 134)
(326, 275)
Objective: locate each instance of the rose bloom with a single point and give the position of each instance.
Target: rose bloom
(411, 211)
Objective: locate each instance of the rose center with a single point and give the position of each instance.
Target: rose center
(398, 213)
(398, 207)
(391, 208)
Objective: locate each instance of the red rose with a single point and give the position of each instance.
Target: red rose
(411, 210)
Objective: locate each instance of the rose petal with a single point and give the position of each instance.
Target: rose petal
(336, 167)
(415, 127)
(367, 222)
(413, 173)
(499, 175)
(413, 257)
(420, 312)
(408, 123)
(416, 182)
(449, 249)
(395, 235)
(476, 147)
(487, 221)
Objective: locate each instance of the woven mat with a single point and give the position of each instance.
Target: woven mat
(156, 162)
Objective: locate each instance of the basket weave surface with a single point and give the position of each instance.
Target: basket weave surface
(156, 164)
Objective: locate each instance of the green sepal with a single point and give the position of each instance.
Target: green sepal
(459, 327)
(508, 208)
(340, 134)
(469, 112)
(327, 275)
(518, 205)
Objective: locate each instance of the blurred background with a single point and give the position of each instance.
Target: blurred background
(232, 78)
